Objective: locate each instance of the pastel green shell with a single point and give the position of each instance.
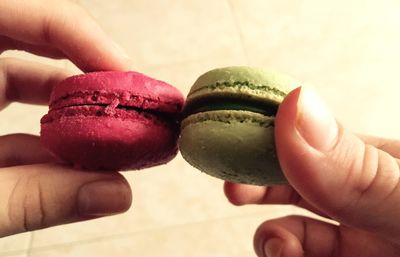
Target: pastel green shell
(242, 82)
(235, 146)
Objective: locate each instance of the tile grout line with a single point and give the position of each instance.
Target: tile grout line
(129, 234)
(238, 30)
(25, 252)
(29, 250)
(13, 253)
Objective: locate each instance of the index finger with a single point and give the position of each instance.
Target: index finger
(391, 146)
(66, 26)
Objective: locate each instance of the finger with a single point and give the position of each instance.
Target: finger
(27, 82)
(66, 26)
(296, 236)
(7, 43)
(390, 146)
(39, 196)
(354, 183)
(241, 194)
(22, 149)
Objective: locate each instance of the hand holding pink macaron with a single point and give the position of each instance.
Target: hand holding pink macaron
(25, 166)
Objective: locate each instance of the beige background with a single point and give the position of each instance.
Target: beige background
(349, 51)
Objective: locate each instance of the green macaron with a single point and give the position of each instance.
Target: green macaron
(228, 125)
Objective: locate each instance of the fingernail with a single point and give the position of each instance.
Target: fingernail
(314, 121)
(273, 247)
(104, 197)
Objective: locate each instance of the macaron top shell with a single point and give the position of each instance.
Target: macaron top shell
(255, 84)
(105, 88)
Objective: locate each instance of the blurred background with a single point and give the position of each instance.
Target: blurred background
(347, 50)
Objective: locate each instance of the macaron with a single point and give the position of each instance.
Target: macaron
(227, 129)
(112, 121)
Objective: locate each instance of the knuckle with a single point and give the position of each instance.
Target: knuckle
(3, 71)
(26, 209)
(372, 178)
(379, 175)
(3, 83)
(8, 91)
(368, 170)
(294, 197)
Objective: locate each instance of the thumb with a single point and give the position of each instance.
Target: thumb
(354, 183)
(39, 196)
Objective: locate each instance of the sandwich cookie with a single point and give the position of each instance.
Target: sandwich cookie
(113, 121)
(228, 125)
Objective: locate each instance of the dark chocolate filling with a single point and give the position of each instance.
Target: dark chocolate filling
(226, 103)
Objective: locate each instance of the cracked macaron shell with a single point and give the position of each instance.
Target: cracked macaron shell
(102, 88)
(113, 121)
(234, 145)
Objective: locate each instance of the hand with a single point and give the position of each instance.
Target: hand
(35, 194)
(350, 179)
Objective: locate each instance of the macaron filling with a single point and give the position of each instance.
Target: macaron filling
(112, 110)
(217, 104)
(124, 99)
(111, 104)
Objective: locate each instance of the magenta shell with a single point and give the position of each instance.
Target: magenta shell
(112, 121)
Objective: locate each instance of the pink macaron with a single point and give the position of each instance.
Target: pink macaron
(113, 121)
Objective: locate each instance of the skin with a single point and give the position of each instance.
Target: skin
(35, 192)
(359, 188)
(347, 178)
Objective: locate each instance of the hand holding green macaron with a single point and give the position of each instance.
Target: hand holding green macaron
(233, 130)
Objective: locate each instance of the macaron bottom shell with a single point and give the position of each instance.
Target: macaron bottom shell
(236, 146)
(89, 137)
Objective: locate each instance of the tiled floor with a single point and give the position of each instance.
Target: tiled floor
(348, 50)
